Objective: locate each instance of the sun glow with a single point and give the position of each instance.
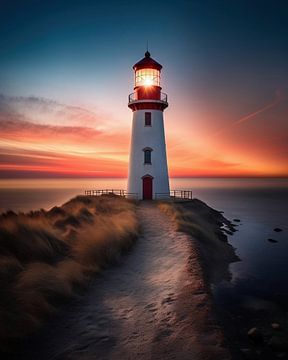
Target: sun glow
(148, 81)
(147, 77)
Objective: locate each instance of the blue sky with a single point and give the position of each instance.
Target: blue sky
(47, 45)
(223, 60)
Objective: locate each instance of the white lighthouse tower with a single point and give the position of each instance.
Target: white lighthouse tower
(148, 172)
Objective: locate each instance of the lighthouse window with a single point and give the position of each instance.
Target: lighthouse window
(148, 119)
(147, 156)
(147, 77)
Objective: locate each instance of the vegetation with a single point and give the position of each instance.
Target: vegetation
(46, 256)
(208, 229)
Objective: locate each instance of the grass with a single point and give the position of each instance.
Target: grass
(208, 228)
(46, 256)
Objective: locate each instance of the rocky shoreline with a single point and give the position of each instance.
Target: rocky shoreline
(209, 229)
(258, 331)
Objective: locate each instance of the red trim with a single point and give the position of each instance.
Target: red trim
(147, 105)
(147, 63)
(148, 92)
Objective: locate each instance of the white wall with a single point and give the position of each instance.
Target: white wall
(152, 137)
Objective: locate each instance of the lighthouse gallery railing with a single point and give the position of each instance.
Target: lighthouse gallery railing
(133, 97)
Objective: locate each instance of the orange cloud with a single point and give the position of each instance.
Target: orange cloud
(52, 140)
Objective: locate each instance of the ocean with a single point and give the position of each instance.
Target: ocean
(260, 278)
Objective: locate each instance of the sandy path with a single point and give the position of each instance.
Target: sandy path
(151, 306)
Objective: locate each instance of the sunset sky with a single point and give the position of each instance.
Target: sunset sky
(66, 73)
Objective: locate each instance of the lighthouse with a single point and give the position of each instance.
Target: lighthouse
(148, 172)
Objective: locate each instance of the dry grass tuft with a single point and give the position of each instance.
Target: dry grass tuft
(207, 227)
(46, 256)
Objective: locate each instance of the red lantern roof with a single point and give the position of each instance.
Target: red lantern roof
(147, 63)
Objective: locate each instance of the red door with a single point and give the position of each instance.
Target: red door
(147, 187)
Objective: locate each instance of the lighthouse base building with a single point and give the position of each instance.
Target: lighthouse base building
(148, 171)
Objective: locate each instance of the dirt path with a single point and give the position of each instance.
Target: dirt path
(151, 306)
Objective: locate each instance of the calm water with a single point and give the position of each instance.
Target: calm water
(261, 205)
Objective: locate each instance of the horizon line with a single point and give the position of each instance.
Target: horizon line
(125, 177)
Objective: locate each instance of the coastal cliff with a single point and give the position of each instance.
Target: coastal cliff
(208, 229)
(157, 296)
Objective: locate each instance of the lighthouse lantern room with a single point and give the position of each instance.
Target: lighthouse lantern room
(148, 171)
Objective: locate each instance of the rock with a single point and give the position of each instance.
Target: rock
(255, 334)
(276, 326)
(228, 232)
(278, 229)
(279, 342)
(272, 240)
(236, 220)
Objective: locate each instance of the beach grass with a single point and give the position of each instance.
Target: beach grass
(208, 229)
(46, 257)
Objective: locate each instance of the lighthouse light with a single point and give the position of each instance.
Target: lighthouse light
(147, 77)
(148, 81)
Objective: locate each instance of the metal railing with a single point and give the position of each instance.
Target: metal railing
(133, 97)
(182, 194)
(123, 193)
(176, 194)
